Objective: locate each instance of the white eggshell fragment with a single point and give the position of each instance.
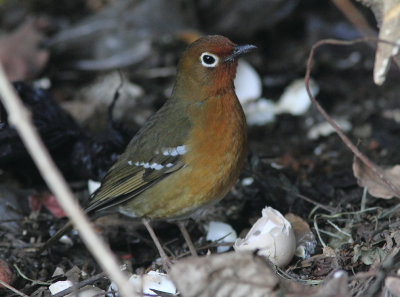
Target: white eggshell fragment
(65, 239)
(259, 112)
(247, 181)
(59, 271)
(152, 280)
(272, 235)
(221, 232)
(325, 129)
(248, 84)
(59, 286)
(294, 99)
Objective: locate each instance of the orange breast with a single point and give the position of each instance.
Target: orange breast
(217, 149)
(215, 155)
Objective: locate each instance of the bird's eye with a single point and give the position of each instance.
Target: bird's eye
(208, 60)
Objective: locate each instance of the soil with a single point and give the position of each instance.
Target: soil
(311, 178)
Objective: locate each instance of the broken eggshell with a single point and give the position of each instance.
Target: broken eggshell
(153, 280)
(294, 101)
(60, 286)
(272, 235)
(324, 129)
(221, 232)
(86, 291)
(248, 84)
(259, 112)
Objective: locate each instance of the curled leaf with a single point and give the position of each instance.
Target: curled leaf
(376, 184)
(231, 274)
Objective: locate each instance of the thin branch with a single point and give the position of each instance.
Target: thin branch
(11, 288)
(375, 169)
(19, 117)
(351, 12)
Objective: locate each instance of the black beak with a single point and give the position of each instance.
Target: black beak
(240, 50)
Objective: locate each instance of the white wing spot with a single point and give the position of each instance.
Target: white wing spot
(130, 163)
(169, 165)
(181, 149)
(174, 151)
(146, 165)
(156, 166)
(165, 152)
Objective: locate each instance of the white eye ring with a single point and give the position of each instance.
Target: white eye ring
(208, 59)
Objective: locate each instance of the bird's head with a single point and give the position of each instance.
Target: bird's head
(209, 65)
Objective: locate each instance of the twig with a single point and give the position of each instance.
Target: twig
(375, 169)
(164, 257)
(336, 215)
(288, 276)
(309, 200)
(364, 198)
(389, 211)
(186, 236)
(355, 17)
(338, 229)
(318, 232)
(117, 94)
(333, 235)
(19, 117)
(11, 288)
(81, 284)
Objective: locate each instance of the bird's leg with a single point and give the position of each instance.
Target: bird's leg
(186, 235)
(164, 257)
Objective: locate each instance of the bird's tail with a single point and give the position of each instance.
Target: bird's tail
(67, 227)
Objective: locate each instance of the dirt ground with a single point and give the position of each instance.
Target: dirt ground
(290, 171)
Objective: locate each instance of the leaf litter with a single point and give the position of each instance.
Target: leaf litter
(357, 242)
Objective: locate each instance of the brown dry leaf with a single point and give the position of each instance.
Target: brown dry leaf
(20, 52)
(6, 274)
(234, 274)
(387, 14)
(390, 31)
(376, 186)
(334, 285)
(242, 274)
(305, 239)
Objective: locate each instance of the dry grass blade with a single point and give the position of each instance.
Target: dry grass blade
(11, 288)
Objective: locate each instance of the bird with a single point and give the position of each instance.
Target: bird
(190, 153)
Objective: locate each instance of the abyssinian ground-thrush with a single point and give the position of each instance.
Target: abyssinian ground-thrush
(190, 153)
